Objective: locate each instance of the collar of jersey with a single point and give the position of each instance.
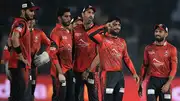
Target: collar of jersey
(164, 43)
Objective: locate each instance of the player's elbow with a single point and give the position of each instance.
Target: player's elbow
(15, 42)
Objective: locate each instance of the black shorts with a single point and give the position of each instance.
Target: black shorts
(19, 82)
(64, 91)
(154, 89)
(113, 86)
(91, 87)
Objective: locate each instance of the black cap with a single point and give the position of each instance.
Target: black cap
(62, 10)
(89, 7)
(161, 27)
(110, 19)
(29, 5)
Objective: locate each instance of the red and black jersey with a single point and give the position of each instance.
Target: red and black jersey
(85, 49)
(161, 60)
(38, 37)
(112, 50)
(63, 39)
(20, 26)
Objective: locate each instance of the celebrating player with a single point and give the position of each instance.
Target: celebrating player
(112, 51)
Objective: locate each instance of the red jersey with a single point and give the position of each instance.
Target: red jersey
(63, 39)
(38, 37)
(161, 60)
(112, 51)
(20, 26)
(85, 49)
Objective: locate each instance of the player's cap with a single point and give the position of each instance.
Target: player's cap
(29, 5)
(77, 18)
(89, 7)
(161, 27)
(62, 10)
(112, 18)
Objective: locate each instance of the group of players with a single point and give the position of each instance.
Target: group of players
(83, 53)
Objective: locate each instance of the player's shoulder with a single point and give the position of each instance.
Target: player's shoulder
(19, 22)
(122, 40)
(38, 30)
(149, 46)
(170, 46)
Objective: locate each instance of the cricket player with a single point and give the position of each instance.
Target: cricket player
(61, 67)
(77, 21)
(20, 59)
(112, 52)
(38, 37)
(85, 54)
(160, 63)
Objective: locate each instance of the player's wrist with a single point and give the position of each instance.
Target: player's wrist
(18, 50)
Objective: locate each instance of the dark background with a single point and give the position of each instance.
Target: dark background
(138, 18)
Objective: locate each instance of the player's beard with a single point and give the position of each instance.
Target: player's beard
(27, 17)
(65, 23)
(160, 39)
(89, 20)
(114, 33)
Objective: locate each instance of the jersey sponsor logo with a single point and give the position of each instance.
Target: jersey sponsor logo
(82, 43)
(108, 41)
(157, 63)
(78, 34)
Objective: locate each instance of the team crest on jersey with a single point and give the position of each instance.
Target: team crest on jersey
(151, 52)
(122, 45)
(64, 37)
(78, 34)
(166, 53)
(36, 39)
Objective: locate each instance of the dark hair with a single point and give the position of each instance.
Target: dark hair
(112, 18)
(62, 10)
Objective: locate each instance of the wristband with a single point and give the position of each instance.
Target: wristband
(18, 49)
